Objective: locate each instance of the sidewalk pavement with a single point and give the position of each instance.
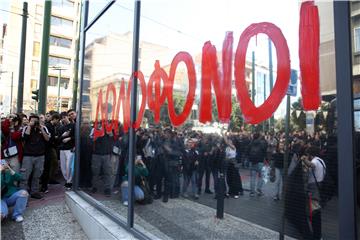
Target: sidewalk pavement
(48, 218)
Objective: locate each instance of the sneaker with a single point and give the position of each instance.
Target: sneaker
(196, 196)
(126, 203)
(68, 186)
(252, 194)
(260, 193)
(236, 196)
(36, 195)
(185, 195)
(44, 190)
(208, 191)
(276, 198)
(107, 192)
(19, 219)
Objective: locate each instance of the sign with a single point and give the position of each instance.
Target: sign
(220, 80)
(310, 123)
(292, 90)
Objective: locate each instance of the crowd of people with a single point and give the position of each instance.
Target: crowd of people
(167, 162)
(31, 147)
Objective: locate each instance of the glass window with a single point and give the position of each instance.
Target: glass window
(63, 3)
(35, 68)
(55, 61)
(357, 39)
(61, 22)
(60, 42)
(53, 81)
(36, 49)
(33, 85)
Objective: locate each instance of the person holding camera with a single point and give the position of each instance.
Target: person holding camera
(35, 136)
(11, 146)
(10, 194)
(140, 172)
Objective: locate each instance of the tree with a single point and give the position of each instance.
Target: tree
(299, 122)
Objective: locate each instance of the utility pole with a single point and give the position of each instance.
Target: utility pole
(253, 81)
(58, 86)
(44, 58)
(20, 93)
(11, 93)
(271, 79)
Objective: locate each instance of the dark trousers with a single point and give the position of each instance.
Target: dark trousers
(50, 167)
(204, 168)
(163, 174)
(233, 180)
(316, 225)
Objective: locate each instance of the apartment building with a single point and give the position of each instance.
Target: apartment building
(64, 33)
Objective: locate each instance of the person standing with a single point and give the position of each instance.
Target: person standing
(278, 164)
(256, 158)
(35, 136)
(316, 170)
(66, 138)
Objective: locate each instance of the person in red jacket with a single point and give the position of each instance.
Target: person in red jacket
(11, 145)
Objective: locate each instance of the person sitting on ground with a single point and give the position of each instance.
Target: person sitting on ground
(140, 172)
(10, 194)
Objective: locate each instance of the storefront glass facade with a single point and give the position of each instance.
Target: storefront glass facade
(215, 165)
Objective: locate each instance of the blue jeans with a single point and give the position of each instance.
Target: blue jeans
(138, 193)
(193, 179)
(254, 170)
(18, 200)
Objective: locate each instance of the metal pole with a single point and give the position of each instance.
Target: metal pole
(264, 123)
(76, 68)
(20, 93)
(220, 195)
(345, 122)
(11, 93)
(44, 58)
(132, 139)
(253, 82)
(84, 22)
(286, 159)
(58, 86)
(271, 78)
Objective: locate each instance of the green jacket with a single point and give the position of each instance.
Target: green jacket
(139, 171)
(8, 180)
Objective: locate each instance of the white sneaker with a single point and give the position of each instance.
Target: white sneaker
(19, 219)
(126, 203)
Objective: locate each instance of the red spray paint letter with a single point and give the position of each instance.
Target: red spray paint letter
(175, 119)
(309, 41)
(251, 113)
(221, 81)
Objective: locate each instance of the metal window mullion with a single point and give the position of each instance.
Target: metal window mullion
(346, 150)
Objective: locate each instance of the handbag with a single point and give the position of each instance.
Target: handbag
(11, 150)
(116, 150)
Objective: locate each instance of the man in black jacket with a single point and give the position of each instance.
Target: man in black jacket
(51, 158)
(35, 136)
(257, 153)
(66, 139)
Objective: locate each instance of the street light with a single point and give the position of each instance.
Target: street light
(58, 68)
(12, 85)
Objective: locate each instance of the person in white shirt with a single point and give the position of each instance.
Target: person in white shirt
(316, 170)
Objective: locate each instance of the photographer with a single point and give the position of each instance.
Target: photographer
(11, 146)
(316, 169)
(140, 172)
(10, 194)
(35, 137)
